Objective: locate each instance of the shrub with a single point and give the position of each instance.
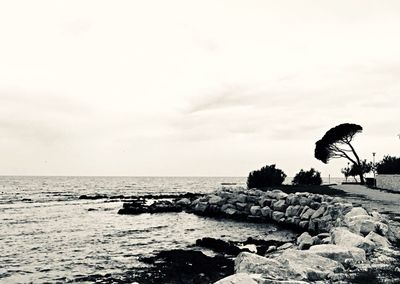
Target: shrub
(266, 176)
(389, 166)
(311, 177)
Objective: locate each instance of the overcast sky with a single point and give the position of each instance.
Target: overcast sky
(205, 88)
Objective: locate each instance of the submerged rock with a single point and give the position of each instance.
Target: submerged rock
(219, 246)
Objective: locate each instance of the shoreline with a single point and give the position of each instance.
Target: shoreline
(327, 223)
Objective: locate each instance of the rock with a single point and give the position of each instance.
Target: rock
(271, 249)
(277, 216)
(241, 206)
(238, 278)
(279, 205)
(343, 237)
(183, 202)
(304, 241)
(293, 210)
(307, 214)
(304, 201)
(254, 264)
(356, 211)
(252, 199)
(315, 241)
(304, 224)
(230, 212)
(308, 266)
(226, 206)
(241, 197)
(323, 235)
(378, 240)
(249, 247)
(266, 212)
(218, 245)
(285, 246)
(215, 200)
(293, 199)
(255, 210)
(319, 212)
(326, 241)
(276, 194)
(201, 207)
(265, 201)
(393, 234)
(333, 211)
(338, 253)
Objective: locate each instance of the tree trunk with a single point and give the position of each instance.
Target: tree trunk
(362, 181)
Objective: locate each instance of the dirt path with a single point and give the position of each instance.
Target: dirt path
(374, 199)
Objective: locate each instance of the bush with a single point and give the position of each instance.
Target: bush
(388, 166)
(311, 177)
(266, 176)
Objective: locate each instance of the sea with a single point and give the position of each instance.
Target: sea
(49, 235)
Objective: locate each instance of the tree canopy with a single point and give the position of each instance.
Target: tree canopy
(336, 143)
(389, 165)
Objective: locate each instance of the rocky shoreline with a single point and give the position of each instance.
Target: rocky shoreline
(339, 242)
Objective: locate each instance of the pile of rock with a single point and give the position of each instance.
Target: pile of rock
(311, 212)
(338, 241)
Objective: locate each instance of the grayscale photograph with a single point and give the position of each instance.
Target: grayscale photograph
(199, 142)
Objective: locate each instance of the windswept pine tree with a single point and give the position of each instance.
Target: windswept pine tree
(337, 143)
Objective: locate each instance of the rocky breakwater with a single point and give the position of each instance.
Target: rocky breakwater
(340, 243)
(306, 211)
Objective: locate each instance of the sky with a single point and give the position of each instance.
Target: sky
(193, 88)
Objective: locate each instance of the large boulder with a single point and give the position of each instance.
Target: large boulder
(241, 278)
(378, 240)
(308, 266)
(254, 264)
(276, 194)
(356, 211)
(338, 253)
(343, 237)
(290, 265)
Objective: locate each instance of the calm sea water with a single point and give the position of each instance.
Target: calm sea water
(49, 235)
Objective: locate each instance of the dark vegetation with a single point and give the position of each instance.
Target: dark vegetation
(232, 248)
(170, 267)
(310, 177)
(266, 176)
(336, 143)
(357, 170)
(186, 266)
(389, 166)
